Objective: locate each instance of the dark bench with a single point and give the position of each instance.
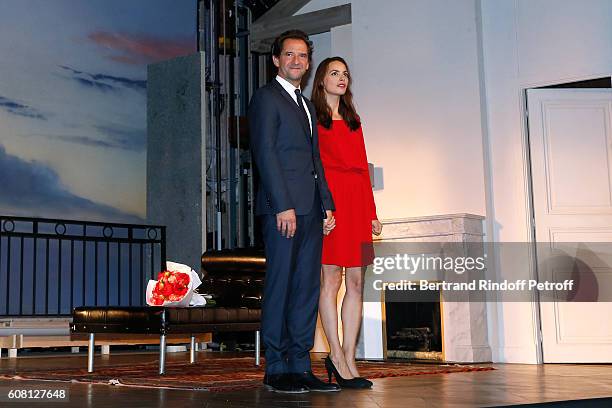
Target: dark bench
(234, 279)
(163, 321)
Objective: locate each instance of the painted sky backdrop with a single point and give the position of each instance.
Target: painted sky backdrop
(73, 102)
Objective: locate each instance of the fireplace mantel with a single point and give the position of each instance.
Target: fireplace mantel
(464, 323)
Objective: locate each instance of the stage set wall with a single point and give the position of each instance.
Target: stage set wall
(440, 86)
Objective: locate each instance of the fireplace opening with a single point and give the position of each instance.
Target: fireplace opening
(413, 329)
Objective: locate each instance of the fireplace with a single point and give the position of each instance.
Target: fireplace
(448, 330)
(412, 329)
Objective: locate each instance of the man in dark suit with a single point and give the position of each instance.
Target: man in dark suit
(295, 209)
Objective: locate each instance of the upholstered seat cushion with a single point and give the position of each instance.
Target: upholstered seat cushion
(163, 320)
(239, 262)
(234, 277)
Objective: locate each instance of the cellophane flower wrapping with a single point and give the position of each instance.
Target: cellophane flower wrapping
(175, 287)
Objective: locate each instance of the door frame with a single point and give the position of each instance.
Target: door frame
(530, 210)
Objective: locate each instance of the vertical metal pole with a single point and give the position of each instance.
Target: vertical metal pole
(142, 275)
(162, 354)
(192, 350)
(34, 268)
(208, 32)
(257, 348)
(237, 216)
(242, 53)
(163, 248)
(153, 261)
(214, 18)
(84, 270)
(232, 155)
(227, 109)
(119, 273)
(46, 277)
(130, 269)
(95, 272)
(59, 277)
(21, 279)
(252, 79)
(34, 276)
(8, 273)
(218, 218)
(107, 274)
(72, 258)
(90, 353)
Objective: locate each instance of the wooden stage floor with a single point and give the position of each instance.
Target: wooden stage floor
(509, 384)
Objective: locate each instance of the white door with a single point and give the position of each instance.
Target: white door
(571, 157)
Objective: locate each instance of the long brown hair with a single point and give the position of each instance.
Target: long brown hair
(346, 108)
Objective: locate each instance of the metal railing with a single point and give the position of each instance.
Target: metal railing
(49, 266)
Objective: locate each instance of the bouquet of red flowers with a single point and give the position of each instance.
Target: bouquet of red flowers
(170, 286)
(175, 287)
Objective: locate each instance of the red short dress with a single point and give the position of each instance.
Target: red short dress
(346, 170)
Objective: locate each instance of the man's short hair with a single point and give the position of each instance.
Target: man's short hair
(277, 45)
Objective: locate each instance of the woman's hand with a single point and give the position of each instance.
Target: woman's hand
(329, 223)
(376, 227)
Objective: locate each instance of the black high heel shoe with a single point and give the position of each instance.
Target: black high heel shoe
(367, 383)
(355, 383)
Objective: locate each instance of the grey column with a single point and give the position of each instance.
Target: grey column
(176, 151)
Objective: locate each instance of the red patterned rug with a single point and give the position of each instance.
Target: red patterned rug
(223, 374)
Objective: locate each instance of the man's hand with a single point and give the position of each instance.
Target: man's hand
(286, 223)
(376, 227)
(329, 223)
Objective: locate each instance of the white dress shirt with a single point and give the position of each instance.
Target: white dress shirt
(288, 86)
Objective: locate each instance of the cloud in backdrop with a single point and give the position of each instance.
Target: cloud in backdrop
(34, 189)
(73, 102)
(141, 49)
(16, 108)
(105, 82)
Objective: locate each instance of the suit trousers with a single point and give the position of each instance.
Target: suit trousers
(291, 291)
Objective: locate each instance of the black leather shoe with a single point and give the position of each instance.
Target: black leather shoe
(309, 381)
(283, 383)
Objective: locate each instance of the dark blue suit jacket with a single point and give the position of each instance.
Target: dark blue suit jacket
(286, 157)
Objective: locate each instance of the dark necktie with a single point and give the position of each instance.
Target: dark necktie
(300, 103)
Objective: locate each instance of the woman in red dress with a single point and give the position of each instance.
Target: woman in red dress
(349, 245)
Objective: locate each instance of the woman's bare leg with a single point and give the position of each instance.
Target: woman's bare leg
(331, 279)
(351, 315)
